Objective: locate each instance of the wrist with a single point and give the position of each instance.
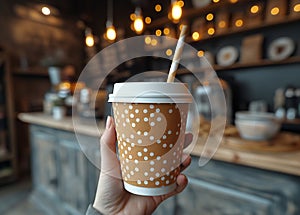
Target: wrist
(93, 211)
(100, 211)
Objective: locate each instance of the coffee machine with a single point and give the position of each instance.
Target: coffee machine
(203, 92)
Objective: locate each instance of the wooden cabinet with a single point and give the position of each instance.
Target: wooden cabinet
(8, 158)
(65, 182)
(221, 188)
(215, 199)
(45, 163)
(62, 174)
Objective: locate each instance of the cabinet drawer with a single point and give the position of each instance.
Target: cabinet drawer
(226, 188)
(201, 197)
(73, 189)
(44, 162)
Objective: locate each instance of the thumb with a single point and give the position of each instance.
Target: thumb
(109, 161)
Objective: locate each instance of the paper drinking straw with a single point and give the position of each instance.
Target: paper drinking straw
(177, 55)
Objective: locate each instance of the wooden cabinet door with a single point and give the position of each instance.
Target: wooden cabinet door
(202, 197)
(44, 161)
(78, 177)
(221, 188)
(90, 147)
(73, 183)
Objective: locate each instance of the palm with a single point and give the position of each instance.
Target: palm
(121, 200)
(111, 197)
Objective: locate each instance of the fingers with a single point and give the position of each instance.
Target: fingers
(109, 135)
(186, 161)
(109, 161)
(181, 183)
(188, 140)
(181, 180)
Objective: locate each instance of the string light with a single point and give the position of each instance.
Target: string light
(239, 23)
(89, 38)
(148, 20)
(211, 31)
(166, 31)
(254, 9)
(200, 53)
(181, 26)
(111, 33)
(275, 11)
(154, 42)
(169, 52)
(158, 32)
(297, 8)
(110, 29)
(209, 17)
(132, 16)
(148, 40)
(138, 24)
(196, 36)
(216, 1)
(176, 11)
(46, 11)
(158, 8)
(222, 24)
(181, 3)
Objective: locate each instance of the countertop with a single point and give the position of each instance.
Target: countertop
(284, 162)
(83, 126)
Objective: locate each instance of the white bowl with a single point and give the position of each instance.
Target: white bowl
(256, 116)
(257, 126)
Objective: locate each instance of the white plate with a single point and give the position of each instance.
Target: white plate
(281, 48)
(227, 56)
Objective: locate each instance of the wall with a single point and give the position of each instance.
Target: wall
(36, 40)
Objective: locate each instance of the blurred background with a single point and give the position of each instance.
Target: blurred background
(252, 45)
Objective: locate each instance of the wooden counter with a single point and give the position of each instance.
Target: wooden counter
(65, 174)
(66, 123)
(285, 162)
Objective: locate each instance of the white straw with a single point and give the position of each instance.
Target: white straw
(177, 55)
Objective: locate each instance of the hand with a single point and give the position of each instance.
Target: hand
(111, 197)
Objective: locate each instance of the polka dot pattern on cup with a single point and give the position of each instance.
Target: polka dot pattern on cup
(148, 144)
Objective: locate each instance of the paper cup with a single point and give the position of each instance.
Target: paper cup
(150, 126)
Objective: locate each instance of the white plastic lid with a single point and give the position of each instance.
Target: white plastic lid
(150, 92)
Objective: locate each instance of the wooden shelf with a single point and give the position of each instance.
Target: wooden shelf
(245, 29)
(192, 12)
(292, 121)
(262, 63)
(31, 72)
(229, 32)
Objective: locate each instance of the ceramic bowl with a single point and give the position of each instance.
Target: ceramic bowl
(257, 126)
